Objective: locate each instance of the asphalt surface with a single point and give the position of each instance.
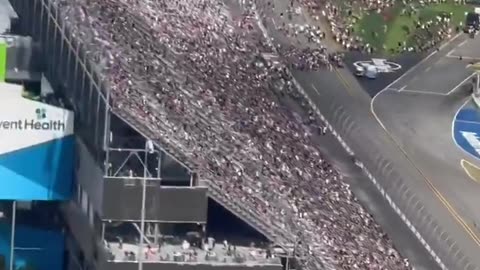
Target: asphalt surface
(418, 111)
(372, 87)
(325, 89)
(410, 140)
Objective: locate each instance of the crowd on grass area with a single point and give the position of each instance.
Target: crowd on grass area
(188, 72)
(342, 17)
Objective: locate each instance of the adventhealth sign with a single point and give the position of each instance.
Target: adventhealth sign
(25, 123)
(40, 123)
(31, 124)
(36, 148)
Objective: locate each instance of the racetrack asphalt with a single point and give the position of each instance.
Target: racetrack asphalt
(372, 87)
(412, 132)
(418, 110)
(327, 91)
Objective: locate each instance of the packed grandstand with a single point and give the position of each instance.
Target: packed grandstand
(188, 72)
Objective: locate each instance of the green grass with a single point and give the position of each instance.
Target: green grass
(398, 30)
(3, 61)
(458, 11)
(371, 23)
(401, 27)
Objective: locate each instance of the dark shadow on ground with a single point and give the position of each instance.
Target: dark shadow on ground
(373, 86)
(224, 225)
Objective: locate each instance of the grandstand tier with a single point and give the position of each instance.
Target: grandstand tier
(138, 198)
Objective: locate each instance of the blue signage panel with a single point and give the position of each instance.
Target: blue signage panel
(41, 172)
(466, 131)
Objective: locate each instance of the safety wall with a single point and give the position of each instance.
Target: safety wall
(36, 148)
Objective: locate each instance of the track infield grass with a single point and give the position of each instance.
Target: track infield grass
(385, 32)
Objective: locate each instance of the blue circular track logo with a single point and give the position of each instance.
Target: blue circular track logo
(466, 130)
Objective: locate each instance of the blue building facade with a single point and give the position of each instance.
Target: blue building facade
(34, 249)
(37, 165)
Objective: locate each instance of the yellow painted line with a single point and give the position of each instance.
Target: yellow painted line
(344, 82)
(429, 183)
(472, 170)
(432, 187)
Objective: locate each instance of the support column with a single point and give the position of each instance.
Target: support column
(156, 233)
(159, 165)
(477, 83)
(142, 214)
(148, 149)
(12, 236)
(103, 231)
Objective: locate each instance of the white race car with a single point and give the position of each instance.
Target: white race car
(366, 70)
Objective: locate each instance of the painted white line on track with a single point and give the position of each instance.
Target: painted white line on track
(408, 72)
(405, 219)
(421, 62)
(372, 110)
(403, 88)
(462, 163)
(428, 68)
(469, 122)
(405, 74)
(423, 92)
(274, 24)
(450, 52)
(460, 84)
(316, 90)
(463, 43)
(463, 57)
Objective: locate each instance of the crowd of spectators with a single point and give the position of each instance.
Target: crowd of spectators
(342, 17)
(309, 51)
(187, 71)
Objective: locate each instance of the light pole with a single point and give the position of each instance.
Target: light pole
(148, 149)
(477, 82)
(292, 254)
(12, 236)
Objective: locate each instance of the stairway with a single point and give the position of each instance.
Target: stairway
(275, 234)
